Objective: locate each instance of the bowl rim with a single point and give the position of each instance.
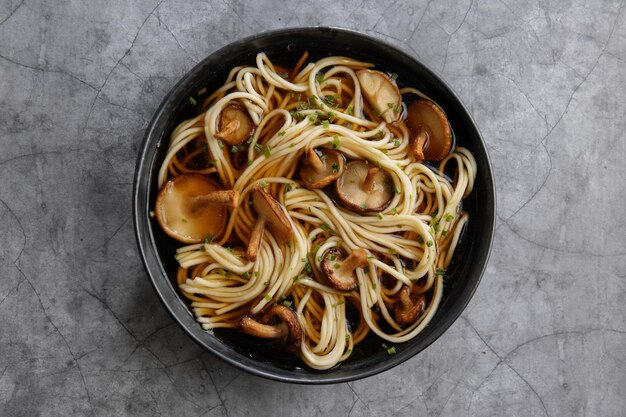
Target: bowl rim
(154, 266)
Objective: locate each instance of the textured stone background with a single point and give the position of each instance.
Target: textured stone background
(82, 332)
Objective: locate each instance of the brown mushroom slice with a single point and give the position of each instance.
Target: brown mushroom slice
(431, 133)
(191, 207)
(321, 167)
(270, 215)
(339, 269)
(235, 125)
(364, 188)
(382, 93)
(410, 306)
(279, 323)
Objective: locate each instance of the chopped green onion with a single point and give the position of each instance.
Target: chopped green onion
(297, 115)
(245, 275)
(281, 133)
(220, 144)
(287, 303)
(336, 266)
(350, 110)
(325, 124)
(440, 271)
(335, 142)
(327, 228)
(380, 216)
(268, 297)
(429, 243)
(192, 101)
(396, 142)
(263, 183)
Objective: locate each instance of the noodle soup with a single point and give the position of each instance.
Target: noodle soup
(311, 208)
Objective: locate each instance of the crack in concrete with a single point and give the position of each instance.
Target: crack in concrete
(67, 345)
(50, 70)
(12, 12)
(503, 361)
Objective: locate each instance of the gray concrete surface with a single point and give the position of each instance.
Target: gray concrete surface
(82, 332)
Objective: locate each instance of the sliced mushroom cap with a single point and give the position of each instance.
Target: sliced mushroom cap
(364, 188)
(235, 125)
(410, 306)
(191, 207)
(382, 93)
(321, 167)
(271, 215)
(279, 323)
(339, 269)
(431, 135)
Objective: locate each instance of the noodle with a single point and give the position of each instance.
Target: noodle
(410, 244)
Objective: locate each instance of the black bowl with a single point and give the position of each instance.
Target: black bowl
(286, 46)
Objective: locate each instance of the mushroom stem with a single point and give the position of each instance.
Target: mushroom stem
(357, 259)
(313, 159)
(409, 306)
(255, 239)
(417, 145)
(368, 183)
(264, 331)
(279, 323)
(228, 198)
(229, 129)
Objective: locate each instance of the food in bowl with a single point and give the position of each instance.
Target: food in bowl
(317, 204)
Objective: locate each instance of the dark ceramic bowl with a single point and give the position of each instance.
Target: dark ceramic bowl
(286, 46)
